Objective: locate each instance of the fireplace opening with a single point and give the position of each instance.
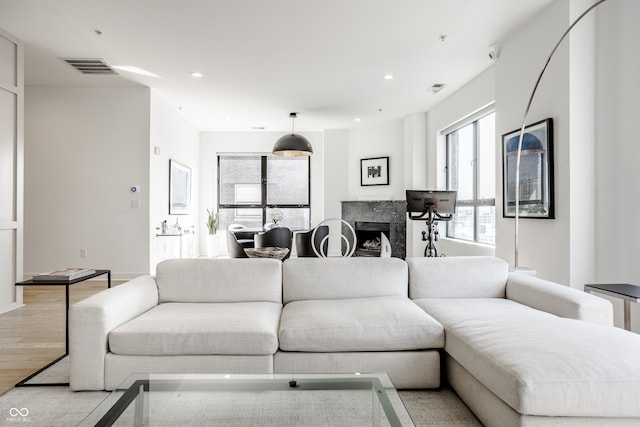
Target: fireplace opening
(368, 237)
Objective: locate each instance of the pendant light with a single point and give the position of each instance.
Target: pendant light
(292, 145)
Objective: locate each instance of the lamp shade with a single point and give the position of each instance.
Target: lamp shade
(292, 145)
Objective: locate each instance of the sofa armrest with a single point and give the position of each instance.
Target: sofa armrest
(91, 320)
(557, 299)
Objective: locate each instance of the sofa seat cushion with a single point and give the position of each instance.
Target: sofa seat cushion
(541, 364)
(358, 324)
(249, 328)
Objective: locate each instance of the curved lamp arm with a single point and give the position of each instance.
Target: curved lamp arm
(524, 121)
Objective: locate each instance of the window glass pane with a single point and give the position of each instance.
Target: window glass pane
(287, 181)
(461, 162)
(487, 157)
(251, 218)
(487, 224)
(461, 227)
(240, 180)
(293, 218)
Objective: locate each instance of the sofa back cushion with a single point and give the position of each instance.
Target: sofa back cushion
(219, 280)
(339, 278)
(457, 277)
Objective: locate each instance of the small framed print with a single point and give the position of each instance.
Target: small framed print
(374, 171)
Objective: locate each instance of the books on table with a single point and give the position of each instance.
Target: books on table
(64, 275)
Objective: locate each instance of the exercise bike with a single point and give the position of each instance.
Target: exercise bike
(432, 205)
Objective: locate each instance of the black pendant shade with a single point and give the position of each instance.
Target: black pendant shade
(291, 144)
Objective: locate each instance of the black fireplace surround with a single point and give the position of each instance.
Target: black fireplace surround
(370, 218)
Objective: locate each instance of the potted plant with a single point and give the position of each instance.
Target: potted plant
(212, 226)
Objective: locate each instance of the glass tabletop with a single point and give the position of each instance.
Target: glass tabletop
(257, 400)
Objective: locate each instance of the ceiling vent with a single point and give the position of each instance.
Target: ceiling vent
(90, 66)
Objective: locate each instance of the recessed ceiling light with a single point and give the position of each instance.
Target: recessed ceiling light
(197, 75)
(388, 77)
(357, 119)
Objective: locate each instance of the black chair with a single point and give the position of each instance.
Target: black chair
(238, 238)
(280, 237)
(303, 242)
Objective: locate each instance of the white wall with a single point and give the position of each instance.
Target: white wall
(214, 143)
(336, 166)
(475, 95)
(84, 148)
(616, 231)
(543, 244)
(176, 139)
(415, 173)
(386, 140)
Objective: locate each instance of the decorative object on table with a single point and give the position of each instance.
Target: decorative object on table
(347, 247)
(535, 197)
(280, 237)
(374, 171)
(64, 275)
(292, 144)
(269, 252)
(276, 216)
(522, 129)
(179, 189)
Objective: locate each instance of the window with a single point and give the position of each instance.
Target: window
(252, 188)
(471, 172)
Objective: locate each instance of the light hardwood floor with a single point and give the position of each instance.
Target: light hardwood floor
(33, 335)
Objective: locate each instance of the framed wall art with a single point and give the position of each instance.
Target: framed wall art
(179, 189)
(374, 171)
(536, 171)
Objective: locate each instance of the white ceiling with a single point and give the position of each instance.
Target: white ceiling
(262, 59)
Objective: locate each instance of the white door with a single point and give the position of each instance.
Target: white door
(11, 171)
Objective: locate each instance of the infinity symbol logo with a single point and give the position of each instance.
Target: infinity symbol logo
(14, 412)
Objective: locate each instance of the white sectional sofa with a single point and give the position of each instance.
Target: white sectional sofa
(521, 351)
(354, 315)
(517, 349)
(195, 315)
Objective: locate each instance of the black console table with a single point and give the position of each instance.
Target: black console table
(628, 293)
(66, 284)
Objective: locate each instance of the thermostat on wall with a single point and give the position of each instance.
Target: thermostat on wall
(135, 188)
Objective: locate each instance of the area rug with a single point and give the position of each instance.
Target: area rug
(61, 407)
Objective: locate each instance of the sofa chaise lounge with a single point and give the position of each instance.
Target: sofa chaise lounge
(517, 349)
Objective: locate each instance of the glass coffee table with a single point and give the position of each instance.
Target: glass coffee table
(252, 400)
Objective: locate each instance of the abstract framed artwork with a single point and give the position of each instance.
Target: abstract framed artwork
(179, 189)
(374, 171)
(536, 171)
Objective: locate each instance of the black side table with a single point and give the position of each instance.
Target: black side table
(66, 284)
(628, 293)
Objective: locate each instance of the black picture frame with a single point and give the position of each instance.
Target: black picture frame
(374, 171)
(536, 171)
(179, 189)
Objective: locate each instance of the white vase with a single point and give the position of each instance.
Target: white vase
(212, 245)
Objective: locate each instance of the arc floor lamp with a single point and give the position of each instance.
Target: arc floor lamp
(524, 121)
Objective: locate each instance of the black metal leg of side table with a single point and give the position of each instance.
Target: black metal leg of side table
(23, 382)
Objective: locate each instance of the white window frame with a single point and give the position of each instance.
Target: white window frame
(475, 202)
